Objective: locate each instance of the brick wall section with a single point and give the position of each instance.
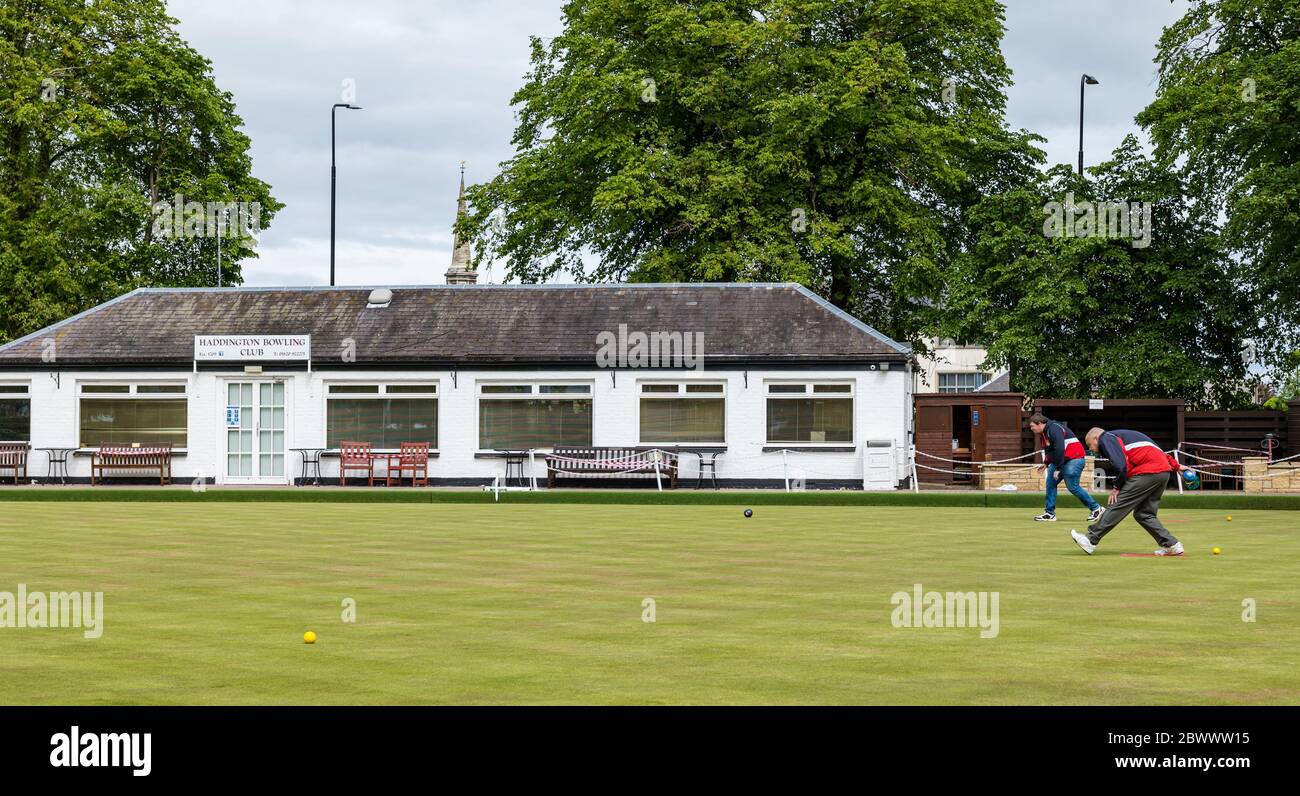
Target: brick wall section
(1025, 478)
(1263, 479)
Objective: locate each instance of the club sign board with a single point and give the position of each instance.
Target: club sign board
(252, 348)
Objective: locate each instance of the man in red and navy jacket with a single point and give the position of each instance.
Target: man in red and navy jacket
(1141, 471)
(1063, 459)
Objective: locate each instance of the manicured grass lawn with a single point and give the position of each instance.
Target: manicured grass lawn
(206, 603)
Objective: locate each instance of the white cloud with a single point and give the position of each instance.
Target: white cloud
(435, 80)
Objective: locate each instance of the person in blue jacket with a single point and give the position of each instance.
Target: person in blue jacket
(1063, 458)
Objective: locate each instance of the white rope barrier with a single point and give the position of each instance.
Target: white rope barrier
(655, 458)
(1207, 459)
(788, 475)
(972, 473)
(595, 473)
(1238, 477)
(963, 461)
(1257, 451)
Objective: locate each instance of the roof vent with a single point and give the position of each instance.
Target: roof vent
(379, 297)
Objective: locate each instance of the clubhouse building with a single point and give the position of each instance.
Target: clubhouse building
(243, 382)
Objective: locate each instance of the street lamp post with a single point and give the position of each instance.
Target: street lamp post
(334, 179)
(1086, 80)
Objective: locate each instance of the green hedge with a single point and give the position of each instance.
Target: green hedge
(1202, 500)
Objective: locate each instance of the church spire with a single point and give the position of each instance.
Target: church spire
(461, 273)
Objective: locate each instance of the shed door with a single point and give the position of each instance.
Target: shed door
(979, 421)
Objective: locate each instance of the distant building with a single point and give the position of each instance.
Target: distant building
(461, 272)
(952, 367)
(241, 382)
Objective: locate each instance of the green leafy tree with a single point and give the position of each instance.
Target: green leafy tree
(837, 143)
(1157, 313)
(1286, 386)
(105, 112)
(1227, 115)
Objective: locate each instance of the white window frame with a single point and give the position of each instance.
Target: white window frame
(809, 391)
(681, 393)
(533, 394)
(133, 393)
(382, 392)
(958, 389)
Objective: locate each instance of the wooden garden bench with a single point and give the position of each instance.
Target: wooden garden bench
(13, 456)
(577, 461)
(111, 456)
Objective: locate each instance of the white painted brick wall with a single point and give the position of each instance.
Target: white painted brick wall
(882, 411)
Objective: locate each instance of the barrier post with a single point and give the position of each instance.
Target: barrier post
(1179, 459)
(911, 452)
(785, 470)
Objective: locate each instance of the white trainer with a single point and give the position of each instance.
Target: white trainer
(1095, 514)
(1082, 541)
(1176, 550)
(1045, 517)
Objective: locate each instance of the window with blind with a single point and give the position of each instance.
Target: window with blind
(683, 413)
(385, 415)
(129, 413)
(810, 413)
(15, 413)
(521, 416)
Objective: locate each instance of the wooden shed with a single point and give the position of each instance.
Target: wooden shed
(965, 427)
(1160, 419)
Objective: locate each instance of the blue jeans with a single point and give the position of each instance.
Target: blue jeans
(1071, 471)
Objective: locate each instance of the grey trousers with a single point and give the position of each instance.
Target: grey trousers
(1140, 496)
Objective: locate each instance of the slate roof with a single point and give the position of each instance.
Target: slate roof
(1001, 383)
(474, 324)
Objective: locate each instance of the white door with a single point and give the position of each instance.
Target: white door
(878, 471)
(253, 418)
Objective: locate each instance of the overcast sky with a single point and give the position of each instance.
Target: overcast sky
(435, 79)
